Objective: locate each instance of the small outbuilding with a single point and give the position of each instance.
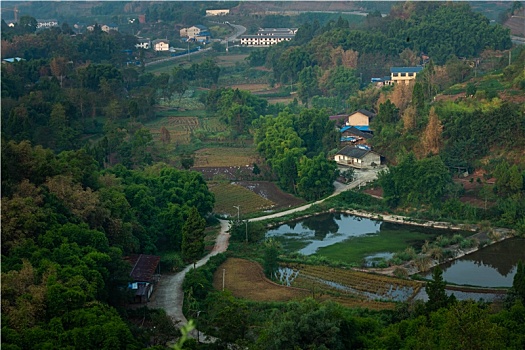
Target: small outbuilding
(145, 273)
(361, 157)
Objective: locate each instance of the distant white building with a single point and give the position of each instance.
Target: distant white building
(404, 74)
(268, 36)
(143, 43)
(46, 23)
(217, 12)
(161, 45)
(108, 27)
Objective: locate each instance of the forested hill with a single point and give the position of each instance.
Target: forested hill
(440, 30)
(66, 226)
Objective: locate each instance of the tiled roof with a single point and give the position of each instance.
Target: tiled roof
(356, 132)
(406, 69)
(143, 267)
(365, 112)
(353, 152)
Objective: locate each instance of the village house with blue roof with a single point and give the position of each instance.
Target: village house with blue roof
(404, 74)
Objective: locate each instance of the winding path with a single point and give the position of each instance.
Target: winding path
(169, 294)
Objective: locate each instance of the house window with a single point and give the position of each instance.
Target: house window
(410, 74)
(403, 74)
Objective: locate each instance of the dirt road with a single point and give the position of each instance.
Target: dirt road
(362, 177)
(169, 295)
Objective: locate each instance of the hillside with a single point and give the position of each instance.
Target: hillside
(516, 23)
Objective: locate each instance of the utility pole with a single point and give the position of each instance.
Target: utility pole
(223, 273)
(238, 211)
(246, 231)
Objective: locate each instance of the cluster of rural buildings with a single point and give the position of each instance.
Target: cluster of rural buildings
(355, 128)
(196, 33)
(355, 136)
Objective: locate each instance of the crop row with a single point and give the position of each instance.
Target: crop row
(359, 281)
(183, 121)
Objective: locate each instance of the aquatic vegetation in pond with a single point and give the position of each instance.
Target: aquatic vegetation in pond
(350, 239)
(285, 275)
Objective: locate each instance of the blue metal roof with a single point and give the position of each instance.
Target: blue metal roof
(406, 69)
(344, 128)
(362, 127)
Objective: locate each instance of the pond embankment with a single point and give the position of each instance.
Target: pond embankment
(455, 251)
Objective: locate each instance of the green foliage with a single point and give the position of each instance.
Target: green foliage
(470, 133)
(193, 236)
(228, 316)
(199, 282)
(236, 107)
(517, 292)
(271, 257)
(314, 182)
(280, 140)
(465, 325)
(242, 231)
(435, 288)
(415, 181)
(309, 325)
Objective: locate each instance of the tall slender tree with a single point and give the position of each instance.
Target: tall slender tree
(193, 236)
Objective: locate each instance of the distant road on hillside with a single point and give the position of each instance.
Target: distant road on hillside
(175, 57)
(517, 40)
(290, 13)
(238, 30)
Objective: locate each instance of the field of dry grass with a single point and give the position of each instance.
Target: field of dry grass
(245, 279)
(225, 156)
(230, 60)
(227, 195)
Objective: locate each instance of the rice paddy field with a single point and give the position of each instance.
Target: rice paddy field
(245, 279)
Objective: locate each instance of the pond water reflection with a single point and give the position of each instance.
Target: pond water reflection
(352, 239)
(492, 266)
(325, 230)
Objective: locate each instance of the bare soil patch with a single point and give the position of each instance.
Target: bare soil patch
(225, 172)
(271, 192)
(376, 192)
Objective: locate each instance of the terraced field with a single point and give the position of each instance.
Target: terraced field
(346, 283)
(180, 128)
(227, 195)
(245, 279)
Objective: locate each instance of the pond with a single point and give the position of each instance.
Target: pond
(492, 266)
(352, 239)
